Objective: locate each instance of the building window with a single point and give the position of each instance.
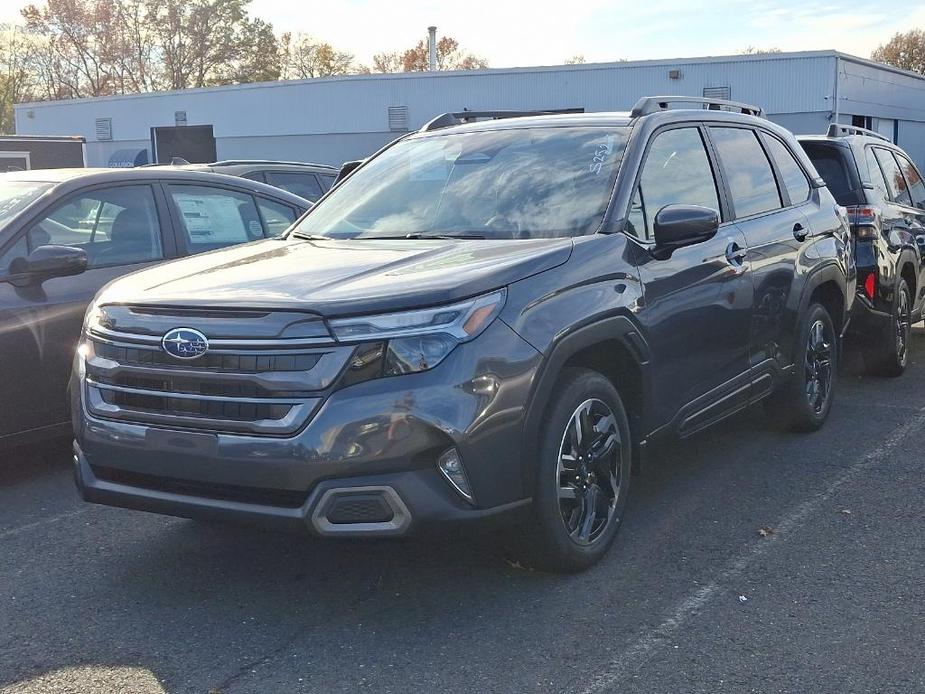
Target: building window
(862, 122)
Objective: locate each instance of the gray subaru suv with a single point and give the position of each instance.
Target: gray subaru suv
(485, 321)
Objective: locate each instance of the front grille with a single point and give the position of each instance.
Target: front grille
(282, 498)
(234, 363)
(260, 385)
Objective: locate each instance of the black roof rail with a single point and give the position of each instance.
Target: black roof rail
(654, 104)
(839, 130)
(247, 162)
(445, 120)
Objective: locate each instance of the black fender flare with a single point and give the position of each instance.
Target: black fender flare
(830, 272)
(620, 328)
(912, 257)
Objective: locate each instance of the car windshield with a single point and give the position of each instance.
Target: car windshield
(516, 183)
(16, 196)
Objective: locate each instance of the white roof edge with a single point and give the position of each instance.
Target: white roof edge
(757, 57)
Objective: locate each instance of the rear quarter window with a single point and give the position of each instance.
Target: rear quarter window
(832, 164)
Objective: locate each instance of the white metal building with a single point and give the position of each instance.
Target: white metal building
(335, 119)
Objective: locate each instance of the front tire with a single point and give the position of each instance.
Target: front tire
(582, 475)
(805, 401)
(889, 354)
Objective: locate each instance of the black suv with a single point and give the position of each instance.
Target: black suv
(483, 321)
(309, 181)
(885, 197)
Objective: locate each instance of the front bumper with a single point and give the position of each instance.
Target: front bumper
(364, 465)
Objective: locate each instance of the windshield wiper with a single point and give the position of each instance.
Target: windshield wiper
(443, 236)
(413, 235)
(311, 237)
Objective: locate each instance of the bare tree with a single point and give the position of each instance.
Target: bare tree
(754, 50)
(304, 57)
(906, 51)
(449, 57)
(577, 59)
(17, 79)
(387, 62)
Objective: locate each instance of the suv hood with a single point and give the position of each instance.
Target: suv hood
(339, 277)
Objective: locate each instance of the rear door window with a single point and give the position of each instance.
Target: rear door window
(876, 175)
(216, 217)
(676, 172)
(255, 176)
(895, 182)
(913, 180)
(748, 171)
(305, 185)
(830, 162)
(793, 178)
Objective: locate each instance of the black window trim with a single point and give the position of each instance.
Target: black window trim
(718, 180)
(781, 191)
(169, 248)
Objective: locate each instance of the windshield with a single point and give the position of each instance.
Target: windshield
(498, 184)
(16, 196)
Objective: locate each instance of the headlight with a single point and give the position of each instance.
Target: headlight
(419, 340)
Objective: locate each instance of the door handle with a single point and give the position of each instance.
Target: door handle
(736, 254)
(800, 232)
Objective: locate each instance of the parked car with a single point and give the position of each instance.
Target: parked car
(483, 322)
(64, 233)
(885, 197)
(309, 181)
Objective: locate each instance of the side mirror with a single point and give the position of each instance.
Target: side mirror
(347, 168)
(677, 226)
(50, 261)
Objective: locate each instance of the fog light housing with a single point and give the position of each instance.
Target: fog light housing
(451, 467)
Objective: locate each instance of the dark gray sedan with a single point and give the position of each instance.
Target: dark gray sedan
(64, 233)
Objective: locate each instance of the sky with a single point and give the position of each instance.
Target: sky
(547, 32)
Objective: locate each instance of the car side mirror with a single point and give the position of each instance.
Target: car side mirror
(677, 226)
(346, 169)
(50, 261)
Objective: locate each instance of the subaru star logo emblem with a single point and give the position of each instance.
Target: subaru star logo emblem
(185, 343)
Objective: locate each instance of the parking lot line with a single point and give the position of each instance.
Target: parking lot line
(12, 532)
(632, 658)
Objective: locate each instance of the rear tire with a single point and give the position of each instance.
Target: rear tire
(582, 475)
(888, 353)
(803, 404)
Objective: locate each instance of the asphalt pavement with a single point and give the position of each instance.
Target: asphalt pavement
(750, 561)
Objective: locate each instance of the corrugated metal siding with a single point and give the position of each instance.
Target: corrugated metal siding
(868, 90)
(780, 83)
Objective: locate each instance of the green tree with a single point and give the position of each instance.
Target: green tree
(906, 51)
